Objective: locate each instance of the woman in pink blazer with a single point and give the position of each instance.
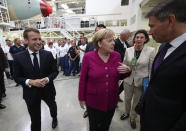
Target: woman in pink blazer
(98, 86)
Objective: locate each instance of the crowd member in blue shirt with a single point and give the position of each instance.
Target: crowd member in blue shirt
(80, 37)
(16, 48)
(73, 55)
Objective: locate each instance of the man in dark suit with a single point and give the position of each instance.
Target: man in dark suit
(90, 45)
(35, 70)
(164, 103)
(3, 68)
(120, 46)
(121, 43)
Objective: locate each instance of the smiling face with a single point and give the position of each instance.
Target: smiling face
(34, 41)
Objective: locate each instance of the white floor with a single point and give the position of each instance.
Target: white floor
(15, 117)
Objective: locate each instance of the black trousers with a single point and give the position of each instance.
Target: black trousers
(2, 84)
(34, 109)
(10, 62)
(77, 65)
(99, 120)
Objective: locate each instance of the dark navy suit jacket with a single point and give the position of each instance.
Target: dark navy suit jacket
(119, 48)
(89, 47)
(3, 61)
(23, 70)
(165, 98)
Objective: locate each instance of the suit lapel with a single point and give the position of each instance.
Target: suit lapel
(42, 58)
(152, 70)
(121, 44)
(28, 60)
(178, 52)
(142, 55)
(127, 44)
(132, 52)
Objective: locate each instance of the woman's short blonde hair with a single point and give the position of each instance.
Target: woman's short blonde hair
(100, 35)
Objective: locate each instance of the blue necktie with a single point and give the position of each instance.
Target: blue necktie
(161, 56)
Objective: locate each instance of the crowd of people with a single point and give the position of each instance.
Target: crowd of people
(107, 66)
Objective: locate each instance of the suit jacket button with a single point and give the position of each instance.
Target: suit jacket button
(107, 75)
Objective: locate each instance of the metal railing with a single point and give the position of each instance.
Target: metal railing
(4, 15)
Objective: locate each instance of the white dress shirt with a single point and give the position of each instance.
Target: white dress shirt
(32, 56)
(67, 46)
(83, 47)
(6, 51)
(175, 44)
(32, 59)
(53, 51)
(62, 51)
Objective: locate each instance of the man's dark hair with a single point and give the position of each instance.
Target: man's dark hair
(50, 43)
(85, 38)
(167, 7)
(143, 32)
(25, 33)
(101, 25)
(82, 34)
(7, 40)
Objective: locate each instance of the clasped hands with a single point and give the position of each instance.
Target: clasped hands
(38, 82)
(122, 69)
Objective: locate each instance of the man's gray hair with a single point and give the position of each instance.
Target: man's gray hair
(125, 31)
(168, 7)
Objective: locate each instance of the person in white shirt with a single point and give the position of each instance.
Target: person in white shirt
(57, 47)
(67, 47)
(62, 53)
(9, 58)
(82, 48)
(55, 44)
(52, 50)
(68, 44)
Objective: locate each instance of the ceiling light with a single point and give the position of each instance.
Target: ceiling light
(64, 6)
(69, 11)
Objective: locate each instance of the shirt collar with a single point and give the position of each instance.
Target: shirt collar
(122, 41)
(30, 52)
(178, 41)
